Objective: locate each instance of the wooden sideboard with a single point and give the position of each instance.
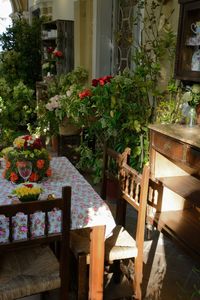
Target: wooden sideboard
(175, 167)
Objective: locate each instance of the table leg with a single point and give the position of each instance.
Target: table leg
(96, 272)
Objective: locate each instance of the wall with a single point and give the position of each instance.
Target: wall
(83, 34)
(63, 9)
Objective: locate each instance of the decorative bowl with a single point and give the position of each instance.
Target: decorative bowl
(27, 191)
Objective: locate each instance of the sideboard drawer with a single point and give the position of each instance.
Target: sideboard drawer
(193, 157)
(168, 146)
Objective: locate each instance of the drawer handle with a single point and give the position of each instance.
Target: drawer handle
(167, 146)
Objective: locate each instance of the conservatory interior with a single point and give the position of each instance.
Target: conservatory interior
(100, 150)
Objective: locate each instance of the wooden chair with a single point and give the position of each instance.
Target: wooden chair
(28, 266)
(120, 245)
(112, 162)
(134, 191)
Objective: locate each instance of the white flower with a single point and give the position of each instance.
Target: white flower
(187, 96)
(69, 92)
(54, 102)
(196, 88)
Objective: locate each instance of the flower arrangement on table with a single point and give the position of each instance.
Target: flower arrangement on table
(28, 191)
(28, 148)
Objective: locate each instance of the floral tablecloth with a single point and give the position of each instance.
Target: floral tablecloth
(88, 209)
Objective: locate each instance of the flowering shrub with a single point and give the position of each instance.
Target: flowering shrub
(27, 191)
(27, 148)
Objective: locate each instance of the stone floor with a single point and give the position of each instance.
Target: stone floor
(169, 273)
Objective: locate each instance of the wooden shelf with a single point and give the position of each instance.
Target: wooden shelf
(184, 226)
(187, 187)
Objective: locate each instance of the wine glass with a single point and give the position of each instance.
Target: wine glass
(24, 169)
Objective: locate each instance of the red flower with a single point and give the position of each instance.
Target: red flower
(13, 177)
(29, 185)
(27, 137)
(49, 172)
(8, 164)
(50, 49)
(85, 93)
(34, 177)
(40, 163)
(95, 82)
(37, 144)
(101, 81)
(57, 53)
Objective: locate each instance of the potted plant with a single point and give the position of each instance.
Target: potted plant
(63, 103)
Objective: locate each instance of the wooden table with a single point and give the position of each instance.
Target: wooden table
(88, 210)
(175, 164)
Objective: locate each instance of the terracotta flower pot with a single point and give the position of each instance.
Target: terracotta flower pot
(67, 128)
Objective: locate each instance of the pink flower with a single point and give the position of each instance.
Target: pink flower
(23, 229)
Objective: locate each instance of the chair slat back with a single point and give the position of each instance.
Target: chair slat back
(134, 190)
(112, 161)
(28, 209)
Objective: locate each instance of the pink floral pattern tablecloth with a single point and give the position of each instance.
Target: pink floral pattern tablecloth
(88, 209)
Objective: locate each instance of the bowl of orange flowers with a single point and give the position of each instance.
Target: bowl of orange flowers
(29, 148)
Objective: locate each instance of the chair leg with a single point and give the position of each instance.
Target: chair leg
(82, 289)
(117, 273)
(138, 278)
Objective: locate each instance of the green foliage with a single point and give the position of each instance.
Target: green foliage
(62, 83)
(17, 106)
(158, 44)
(21, 52)
(63, 101)
(169, 108)
(90, 161)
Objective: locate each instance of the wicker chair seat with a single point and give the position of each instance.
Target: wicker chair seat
(120, 245)
(28, 271)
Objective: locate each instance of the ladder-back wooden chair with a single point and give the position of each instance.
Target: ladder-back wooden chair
(28, 266)
(112, 161)
(121, 245)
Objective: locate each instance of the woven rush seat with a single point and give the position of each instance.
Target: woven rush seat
(120, 245)
(28, 271)
(28, 266)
